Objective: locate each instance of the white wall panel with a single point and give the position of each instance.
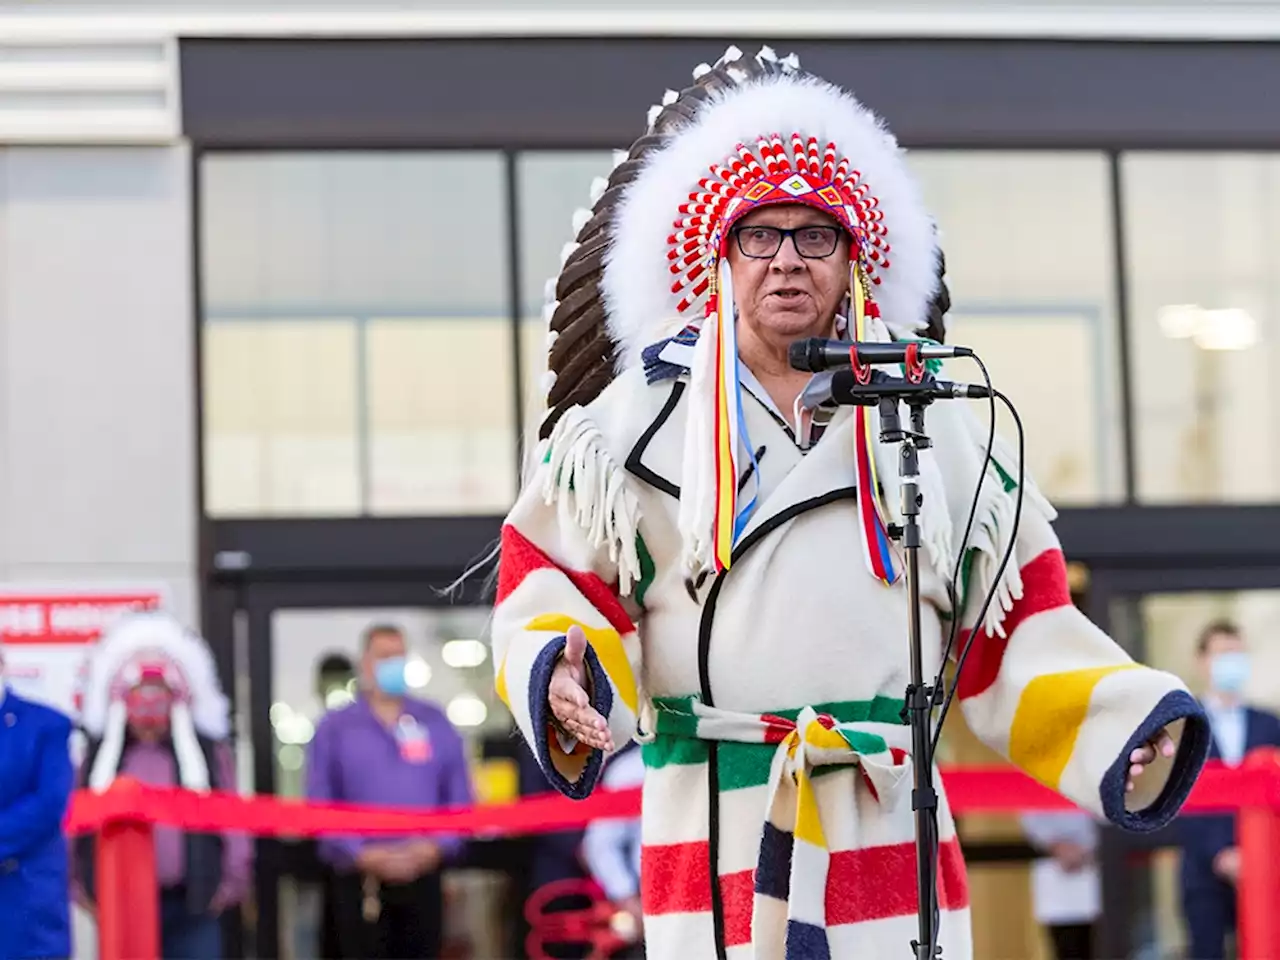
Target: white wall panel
(97, 445)
(1188, 19)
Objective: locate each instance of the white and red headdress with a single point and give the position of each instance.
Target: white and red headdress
(650, 262)
(153, 646)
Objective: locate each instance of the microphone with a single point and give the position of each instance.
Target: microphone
(818, 353)
(845, 389)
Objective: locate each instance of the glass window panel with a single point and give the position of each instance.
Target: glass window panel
(438, 439)
(1030, 266)
(312, 642)
(550, 187)
(410, 247)
(280, 403)
(1203, 262)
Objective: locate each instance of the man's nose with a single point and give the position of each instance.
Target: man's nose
(787, 259)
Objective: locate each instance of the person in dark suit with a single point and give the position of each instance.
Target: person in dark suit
(1210, 857)
(35, 789)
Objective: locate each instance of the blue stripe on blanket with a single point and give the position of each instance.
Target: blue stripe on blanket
(773, 871)
(806, 942)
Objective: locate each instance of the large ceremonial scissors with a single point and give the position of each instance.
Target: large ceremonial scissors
(556, 919)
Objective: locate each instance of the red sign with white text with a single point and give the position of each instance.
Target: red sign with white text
(71, 618)
(47, 634)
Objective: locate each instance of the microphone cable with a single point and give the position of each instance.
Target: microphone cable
(953, 586)
(957, 614)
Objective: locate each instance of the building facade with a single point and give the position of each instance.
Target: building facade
(271, 288)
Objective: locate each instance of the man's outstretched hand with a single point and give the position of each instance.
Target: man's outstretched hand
(567, 694)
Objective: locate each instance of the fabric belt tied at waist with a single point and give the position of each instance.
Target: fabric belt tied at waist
(794, 858)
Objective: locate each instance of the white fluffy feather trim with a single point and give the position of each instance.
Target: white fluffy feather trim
(142, 636)
(640, 306)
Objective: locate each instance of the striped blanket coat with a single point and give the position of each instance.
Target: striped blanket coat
(777, 815)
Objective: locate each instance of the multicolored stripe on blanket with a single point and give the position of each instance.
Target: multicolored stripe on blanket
(872, 509)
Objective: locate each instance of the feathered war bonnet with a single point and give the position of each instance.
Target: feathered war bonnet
(153, 645)
(649, 263)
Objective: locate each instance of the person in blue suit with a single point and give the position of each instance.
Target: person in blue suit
(1210, 857)
(35, 789)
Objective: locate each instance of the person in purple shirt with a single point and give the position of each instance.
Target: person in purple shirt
(388, 749)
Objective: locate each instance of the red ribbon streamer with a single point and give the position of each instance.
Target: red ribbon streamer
(996, 789)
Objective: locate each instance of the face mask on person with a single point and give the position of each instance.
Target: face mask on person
(389, 676)
(1230, 671)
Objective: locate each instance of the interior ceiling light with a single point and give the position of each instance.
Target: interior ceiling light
(466, 710)
(464, 653)
(1227, 329)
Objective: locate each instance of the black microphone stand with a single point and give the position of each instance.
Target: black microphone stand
(885, 393)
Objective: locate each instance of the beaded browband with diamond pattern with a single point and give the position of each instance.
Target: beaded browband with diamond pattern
(746, 181)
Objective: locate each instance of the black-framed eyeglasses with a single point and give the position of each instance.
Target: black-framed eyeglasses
(763, 243)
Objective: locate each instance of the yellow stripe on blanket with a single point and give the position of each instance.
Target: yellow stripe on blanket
(607, 644)
(500, 684)
(808, 822)
(1050, 712)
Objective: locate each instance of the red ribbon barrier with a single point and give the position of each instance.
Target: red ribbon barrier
(997, 789)
(269, 816)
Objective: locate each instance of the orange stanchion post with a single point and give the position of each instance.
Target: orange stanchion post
(1258, 887)
(128, 903)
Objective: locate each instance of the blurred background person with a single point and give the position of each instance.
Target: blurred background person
(1210, 858)
(35, 789)
(154, 710)
(611, 849)
(388, 749)
(1066, 885)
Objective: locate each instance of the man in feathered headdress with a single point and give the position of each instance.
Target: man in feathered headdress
(154, 710)
(701, 552)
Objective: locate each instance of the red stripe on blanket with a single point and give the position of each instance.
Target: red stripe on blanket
(737, 891)
(880, 882)
(1044, 588)
(521, 557)
(675, 878)
(862, 885)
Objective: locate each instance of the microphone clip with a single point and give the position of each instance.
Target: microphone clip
(914, 364)
(891, 430)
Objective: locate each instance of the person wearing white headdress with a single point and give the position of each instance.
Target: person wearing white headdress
(702, 553)
(154, 710)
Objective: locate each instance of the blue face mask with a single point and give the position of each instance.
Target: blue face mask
(388, 674)
(1230, 671)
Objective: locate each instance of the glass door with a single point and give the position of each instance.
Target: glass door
(304, 652)
(1144, 915)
